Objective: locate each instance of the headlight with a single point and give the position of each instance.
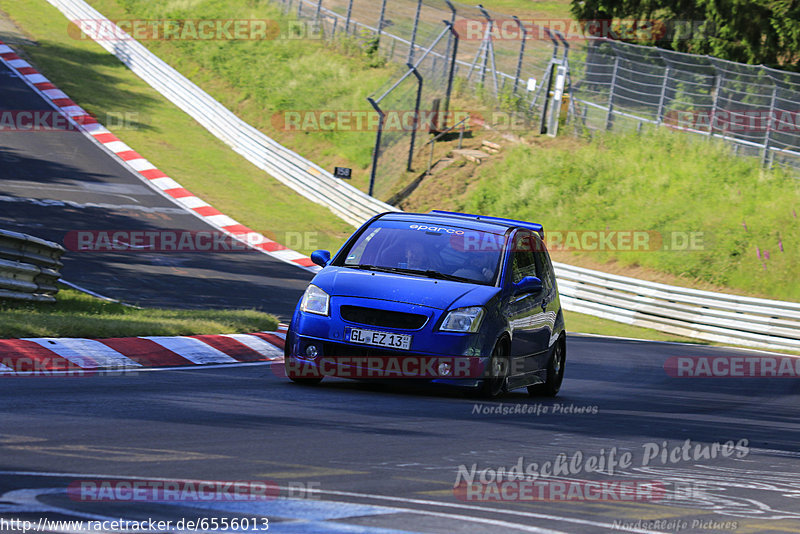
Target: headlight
(315, 300)
(463, 320)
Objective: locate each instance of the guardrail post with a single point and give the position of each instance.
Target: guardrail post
(319, 9)
(377, 149)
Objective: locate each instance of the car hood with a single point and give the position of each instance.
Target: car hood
(440, 294)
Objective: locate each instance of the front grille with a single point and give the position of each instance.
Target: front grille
(385, 318)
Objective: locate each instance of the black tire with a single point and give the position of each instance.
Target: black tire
(306, 381)
(555, 373)
(495, 384)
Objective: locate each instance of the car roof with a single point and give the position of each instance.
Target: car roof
(465, 220)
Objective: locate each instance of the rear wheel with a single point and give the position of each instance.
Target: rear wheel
(495, 384)
(555, 373)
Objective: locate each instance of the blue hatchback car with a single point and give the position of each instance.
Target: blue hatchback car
(445, 297)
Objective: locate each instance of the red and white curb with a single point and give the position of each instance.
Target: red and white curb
(47, 355)
(148, 172)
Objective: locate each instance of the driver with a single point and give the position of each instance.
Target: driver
(415, 257)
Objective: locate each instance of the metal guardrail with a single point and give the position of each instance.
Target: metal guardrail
(304, 177)
(29, 267)
(693, 313)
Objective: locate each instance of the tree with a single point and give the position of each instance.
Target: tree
(760, 31)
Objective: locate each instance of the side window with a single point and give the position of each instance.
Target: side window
(543, 266)
(523, 262)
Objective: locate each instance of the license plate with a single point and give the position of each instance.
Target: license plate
(380, 339)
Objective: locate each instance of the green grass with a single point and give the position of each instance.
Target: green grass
(665, 182)
(166, 136)
(530, 8)
(262, 79)
(588, 324)
(76, 314)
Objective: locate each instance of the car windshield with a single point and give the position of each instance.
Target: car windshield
(436, 251)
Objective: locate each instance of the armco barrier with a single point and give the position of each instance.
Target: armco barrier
(693, 313)
(698, 314)
(306, 178)
(28, 267)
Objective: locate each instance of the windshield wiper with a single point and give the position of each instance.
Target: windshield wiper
(430, 273)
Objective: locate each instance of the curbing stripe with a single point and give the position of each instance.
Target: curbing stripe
(27, 356)
(132, 159)
(146, 352)
(264, 348)
(232, 346)
(74, 356)
(85, 353)
(193, 349)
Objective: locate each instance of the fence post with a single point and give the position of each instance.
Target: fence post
(767, 154)
(299, 8)
(377, 149)
(521, 54)
(380, 20)
(414, 33)
(488, 43)
(347, 18)
(418, 76)
(450, 74)
(662, 97)
(714, 101)
(452, 23)
(319, 8)
(610, 115)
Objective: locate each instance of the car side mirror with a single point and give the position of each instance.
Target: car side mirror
(321, 257)
(529, 284)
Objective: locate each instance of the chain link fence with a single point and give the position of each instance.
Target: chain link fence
(621, 86)
(611, 85)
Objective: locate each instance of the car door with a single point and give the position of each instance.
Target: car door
(526, 312)
(550, 302)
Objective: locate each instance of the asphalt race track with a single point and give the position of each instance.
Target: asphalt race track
(56, 182)
(670, 454)
(358, 457)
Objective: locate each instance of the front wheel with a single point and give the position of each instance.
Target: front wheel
(495, 384)
(306, 381)
(555, 373)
